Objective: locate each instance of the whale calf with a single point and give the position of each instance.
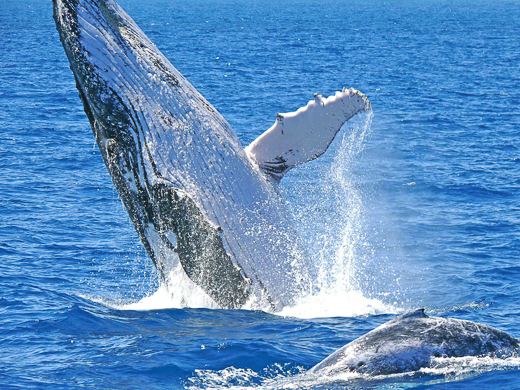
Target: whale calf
(410, 341)
(199, 201)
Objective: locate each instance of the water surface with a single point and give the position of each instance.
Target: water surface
(419, 208)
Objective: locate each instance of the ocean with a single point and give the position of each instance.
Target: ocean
(415, 205)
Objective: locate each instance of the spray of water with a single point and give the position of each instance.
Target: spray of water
(330, 217)
(339, 274)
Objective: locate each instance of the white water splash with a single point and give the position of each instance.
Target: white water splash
(179, 293)
(338, 271)
(327, 206)
(458, 368)
(230, 377)
(339, 303)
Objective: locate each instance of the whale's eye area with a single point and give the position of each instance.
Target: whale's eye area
(360, 364)
(437, 355)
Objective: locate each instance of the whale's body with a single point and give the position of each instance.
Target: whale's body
(410, 342)
(196, 197)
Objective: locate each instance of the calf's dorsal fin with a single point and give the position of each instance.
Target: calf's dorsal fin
(418, 313)
(301, 136)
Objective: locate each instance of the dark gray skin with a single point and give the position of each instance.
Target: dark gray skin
(410, 341)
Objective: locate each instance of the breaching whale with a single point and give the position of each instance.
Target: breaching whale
(197, 199)
(410, 341)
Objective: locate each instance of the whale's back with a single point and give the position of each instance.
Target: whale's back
(409, 342)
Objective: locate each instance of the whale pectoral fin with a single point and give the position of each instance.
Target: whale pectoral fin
(302, 136)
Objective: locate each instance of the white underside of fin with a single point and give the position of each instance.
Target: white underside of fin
(301, 136)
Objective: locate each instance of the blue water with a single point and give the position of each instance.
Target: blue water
(421, 210)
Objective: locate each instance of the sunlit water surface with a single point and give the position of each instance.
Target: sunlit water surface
(416, 204)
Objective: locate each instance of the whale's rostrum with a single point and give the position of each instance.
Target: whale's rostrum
(195, 197)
